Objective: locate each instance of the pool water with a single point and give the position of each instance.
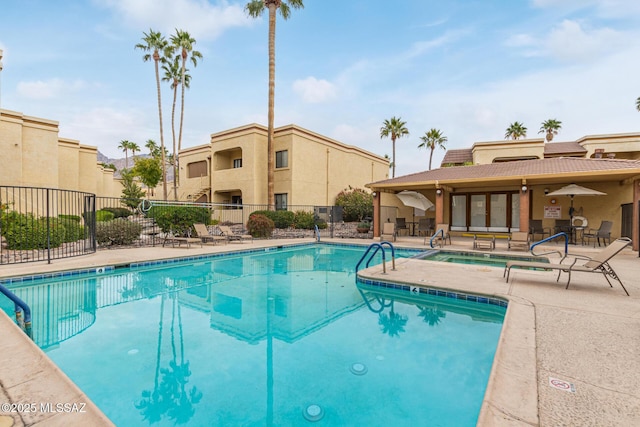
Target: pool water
(276, 338)
(476, 258)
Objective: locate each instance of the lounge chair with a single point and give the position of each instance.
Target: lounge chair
(178, 238)
(204, 234)
(388, 232)
(440, 236)
(232, 237)
(519, 240)
(596, 264)
(604, 232)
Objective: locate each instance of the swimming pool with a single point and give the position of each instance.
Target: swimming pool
(475, 258)
(278, 337)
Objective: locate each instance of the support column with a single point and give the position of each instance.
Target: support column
(376, 214)
(439, 206)
(635, 222)
(525, 200)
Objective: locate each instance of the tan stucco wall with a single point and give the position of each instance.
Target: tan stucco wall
(10, 147)
(623, 145)
(486, 152)
(68, 163)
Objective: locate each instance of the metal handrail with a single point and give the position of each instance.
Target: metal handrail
(566, 245)
(317, 233)
(440, 231)
(20, 307)
(377, 246)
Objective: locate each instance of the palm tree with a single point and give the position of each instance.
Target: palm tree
(125, 146)
(432, 139)
(134, 149)
(183, 43)
(638, 104)
(173, 74)
(550, 127)
(516, 130)
(156, 43)
(394, 128)
(151, 145)
(255, 8)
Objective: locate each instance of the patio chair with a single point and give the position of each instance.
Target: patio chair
(425, 225)
(175, 237)
(518, 240)
(388, 232)
(232, 237)
(562, 226)
(535, 227)
(401, 224)
(604, 232)
(440, 236)
(204, 234)
(598, 263)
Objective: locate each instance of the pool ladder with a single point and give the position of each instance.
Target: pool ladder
(21, 307)
(378, 247)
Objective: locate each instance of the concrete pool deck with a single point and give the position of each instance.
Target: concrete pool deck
(587, 336)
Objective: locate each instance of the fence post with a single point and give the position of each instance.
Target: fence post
(48, 229)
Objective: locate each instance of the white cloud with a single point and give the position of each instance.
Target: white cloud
(569, 41)
(49, 89)
(315, 91)
(202, 19)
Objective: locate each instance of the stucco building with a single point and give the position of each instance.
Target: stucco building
(310, 169)
(499, 186)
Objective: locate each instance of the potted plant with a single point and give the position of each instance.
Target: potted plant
(363, 227)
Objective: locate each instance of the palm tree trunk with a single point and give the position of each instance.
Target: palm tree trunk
(431, 157)
(164, 169)
(272, 87)
(393, 170)
(175, 155)
(173, 132)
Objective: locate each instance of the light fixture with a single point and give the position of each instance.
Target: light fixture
(524, 188)
(439, 192)
(374, 194)
(546, 191)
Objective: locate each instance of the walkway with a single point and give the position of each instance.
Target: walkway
(587, 336)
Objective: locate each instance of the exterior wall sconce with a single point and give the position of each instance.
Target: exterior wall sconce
(546, 191)
(374, 194)
(439, 192)
(524, 188)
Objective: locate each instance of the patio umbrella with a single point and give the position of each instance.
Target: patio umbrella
(415, 200)
(572, 190)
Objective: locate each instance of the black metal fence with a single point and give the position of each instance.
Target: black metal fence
(41, 224)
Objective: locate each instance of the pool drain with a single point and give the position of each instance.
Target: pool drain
(358, 369)
(313, 413)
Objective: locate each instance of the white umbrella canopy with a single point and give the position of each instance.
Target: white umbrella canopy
(572, 190)
(415, 200)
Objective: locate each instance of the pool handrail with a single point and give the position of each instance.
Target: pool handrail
(317, 233)
(377, 246)
(566, 245)
(440, 231)
(20, 307)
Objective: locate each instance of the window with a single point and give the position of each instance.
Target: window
(281, 202)
(236, 200)
(197, 169)
(282, 159)
(237, 163)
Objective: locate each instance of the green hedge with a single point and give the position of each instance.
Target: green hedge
(120, 231)
(179, 219)
(281, 219)
(24, 231)
(119, 212)
(260, 225)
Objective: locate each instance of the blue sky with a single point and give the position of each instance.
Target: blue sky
(466, 67)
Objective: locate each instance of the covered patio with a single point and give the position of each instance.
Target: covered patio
(505, 196)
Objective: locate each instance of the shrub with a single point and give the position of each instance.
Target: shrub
(71, 217)
(260, 225)
(281, 219)
(26, 232)
(118, 212)
(120, 231)
(178, 219)
(304, 220)
(104, 215)
(73, 231)
(356, 204)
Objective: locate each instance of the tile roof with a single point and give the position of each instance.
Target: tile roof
(563, 148)
(539, 168)
(458, 156)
